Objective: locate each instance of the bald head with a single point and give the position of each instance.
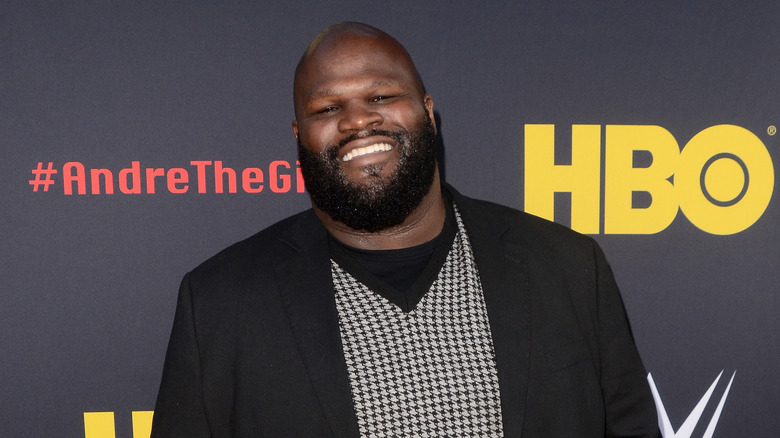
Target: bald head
(344, 44)
(341, 29)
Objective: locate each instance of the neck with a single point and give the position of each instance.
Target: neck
(422, 225)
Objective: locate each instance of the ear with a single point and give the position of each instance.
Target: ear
(428, 102)
(295, 128)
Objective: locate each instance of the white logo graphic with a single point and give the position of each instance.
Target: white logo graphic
(690, 423)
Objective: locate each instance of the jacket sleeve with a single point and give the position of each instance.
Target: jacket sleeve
(179, 411)
(630, 410)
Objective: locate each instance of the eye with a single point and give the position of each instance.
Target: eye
(328, 109)
(381, 98)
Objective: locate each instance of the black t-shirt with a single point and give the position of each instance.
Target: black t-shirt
(402, 276)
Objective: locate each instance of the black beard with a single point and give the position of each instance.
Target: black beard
(381, 203)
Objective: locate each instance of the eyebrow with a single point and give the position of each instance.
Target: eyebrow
(328, 92)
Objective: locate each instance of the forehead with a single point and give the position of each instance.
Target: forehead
(354, 60)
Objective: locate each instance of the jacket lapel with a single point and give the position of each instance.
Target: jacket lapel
(503, 270)
(307, 294)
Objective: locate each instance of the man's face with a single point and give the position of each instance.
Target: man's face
(365, 132)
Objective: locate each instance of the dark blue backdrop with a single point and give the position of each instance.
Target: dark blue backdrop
(89, 281)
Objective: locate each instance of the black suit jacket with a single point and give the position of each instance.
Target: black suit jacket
(255, 349)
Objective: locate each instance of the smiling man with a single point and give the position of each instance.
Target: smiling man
(397, 306)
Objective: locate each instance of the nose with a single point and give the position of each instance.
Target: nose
(358, 116)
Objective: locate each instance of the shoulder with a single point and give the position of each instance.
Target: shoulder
(526, 229)
(259, 253)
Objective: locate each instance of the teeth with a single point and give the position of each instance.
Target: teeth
(378, 147)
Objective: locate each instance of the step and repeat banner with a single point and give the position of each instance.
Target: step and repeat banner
(140, 138)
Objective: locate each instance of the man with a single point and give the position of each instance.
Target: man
(397, 306)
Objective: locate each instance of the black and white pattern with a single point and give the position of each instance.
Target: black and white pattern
(429, 372)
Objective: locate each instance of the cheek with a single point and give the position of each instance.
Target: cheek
(407, 116)
(315, 137)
